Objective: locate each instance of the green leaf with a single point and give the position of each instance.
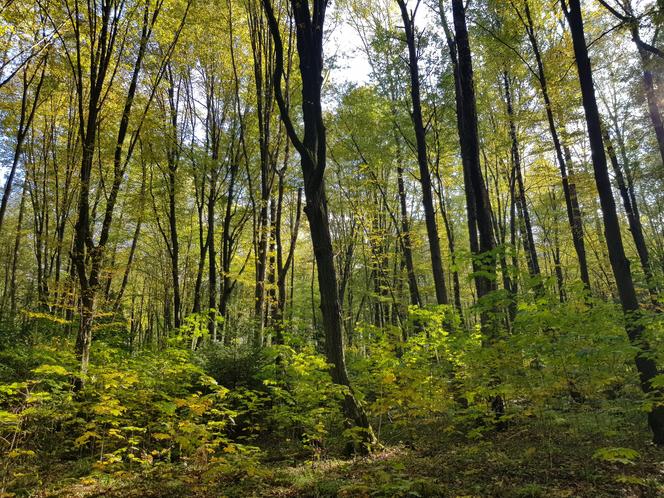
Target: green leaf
(617, 455)
(51, 369)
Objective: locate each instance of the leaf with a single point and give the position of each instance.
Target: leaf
(8, 417)
(15, 453)
(168, 407)
(617, 455)
(51, 369)
(87, 435)
(657, 381)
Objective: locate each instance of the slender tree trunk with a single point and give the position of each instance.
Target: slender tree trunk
(528, 239)
(312, 151)
(212, 265)
(451, 243)
(649, 89)
(413, 288)
(17, 246)
(632, 218)
(422, 158)
(284, 266)
(203, 246)
(26, 117)
(227, 242)
(134, 244)
(569, 189)
(173, 159)
(645, 363)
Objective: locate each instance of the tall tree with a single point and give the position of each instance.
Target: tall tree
(309, 22)
(99, 33)
(569, 187)
(645, 363)
(480, 225)
(422, 157)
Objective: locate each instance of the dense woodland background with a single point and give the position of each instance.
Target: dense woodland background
(232, 267)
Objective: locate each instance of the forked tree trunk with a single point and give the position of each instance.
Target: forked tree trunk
(312, 150)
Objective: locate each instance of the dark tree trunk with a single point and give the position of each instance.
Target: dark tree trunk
(422, 159)
(312, 150)
(406, 245)
(451, 243)
(477, 197)
(480, 222)
(528, 239)
(17, 246)
(26, 116)
(633, 218)
(645, 363)
(202, 244)
(212, 266)
(134, 244)
(284, 266)
(87, 256)
(413, 289)
(262, 65)
(173, 157)
(227, 243)
(569, 189)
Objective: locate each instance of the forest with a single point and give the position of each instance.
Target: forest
(303, 248)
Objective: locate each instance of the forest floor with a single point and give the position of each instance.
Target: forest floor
(532, 459)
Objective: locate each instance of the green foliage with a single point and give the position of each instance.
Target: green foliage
(617, 455)
(134, 411)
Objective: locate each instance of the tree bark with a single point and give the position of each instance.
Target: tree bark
(422, 158)
(645, 363)
(312, 151)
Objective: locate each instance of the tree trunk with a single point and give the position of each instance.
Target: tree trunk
(312, 151)
(633, 218)
(649, 88)
(413, 289)
(17, 246)
(645, 363)
(26, 116)
(569, 189)
(212, 264)
(528, 239)
(173, 159)
(469, 140)
(422, 159)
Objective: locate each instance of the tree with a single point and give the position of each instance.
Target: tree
(422, 158)
(312, 149)
(645, 364)
(480, 225)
